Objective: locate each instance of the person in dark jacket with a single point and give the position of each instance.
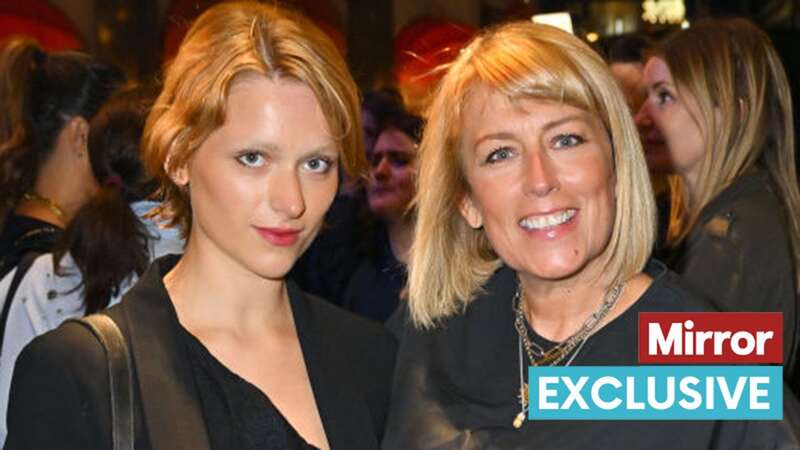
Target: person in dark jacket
(257, 112)
(376, 285)
(719, 96)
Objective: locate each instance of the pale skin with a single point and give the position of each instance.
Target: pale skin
(69, 192)
(271, 165)
(673, 117)
(531, 159)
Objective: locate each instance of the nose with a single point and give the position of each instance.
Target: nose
(642, 117)
(382, 170)
(540, 176)
(286, 195)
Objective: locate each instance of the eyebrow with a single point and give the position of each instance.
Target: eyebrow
(271, 147)
(548, 126)
(659, 83)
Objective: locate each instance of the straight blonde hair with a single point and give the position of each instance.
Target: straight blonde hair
(226, 41)
(449, 261)
(733, 73)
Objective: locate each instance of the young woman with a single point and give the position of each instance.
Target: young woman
(257, 112)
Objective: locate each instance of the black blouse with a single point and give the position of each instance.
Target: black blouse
(238, 415)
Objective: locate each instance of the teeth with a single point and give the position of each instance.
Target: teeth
(550, 220)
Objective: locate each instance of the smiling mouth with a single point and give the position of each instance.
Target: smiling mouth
(543, 222)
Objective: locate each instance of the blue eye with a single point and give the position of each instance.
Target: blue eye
(499, 154)
(251, 159)
(567, 140)
(318, 165)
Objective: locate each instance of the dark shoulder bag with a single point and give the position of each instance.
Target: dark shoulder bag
(120, 377)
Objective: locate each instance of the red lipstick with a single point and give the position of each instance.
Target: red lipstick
(282, 237)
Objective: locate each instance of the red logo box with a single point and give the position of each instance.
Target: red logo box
(711, 337)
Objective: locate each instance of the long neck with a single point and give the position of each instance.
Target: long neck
(211, 290)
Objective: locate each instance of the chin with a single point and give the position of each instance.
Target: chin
(383, 210)
(553, 274)
(557, 269)
(271, 273)
(271, 268)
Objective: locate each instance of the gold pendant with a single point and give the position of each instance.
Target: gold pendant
(519, 420)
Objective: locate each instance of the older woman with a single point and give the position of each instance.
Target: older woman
(535, 222)
(257, 112)
(719, 96)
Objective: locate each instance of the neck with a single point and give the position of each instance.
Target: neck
(401, 235)
(44, 209)
(691, 178)
(557, 312)
(69, 193)
(212, 292)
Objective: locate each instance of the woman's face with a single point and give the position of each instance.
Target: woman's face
(666, 120)
(390, 186)
(260, 184)
(541, 183)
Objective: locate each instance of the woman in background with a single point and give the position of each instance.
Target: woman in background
(45, 176)
(359, 258)
(106, 246)
(719, 96)
(374, 289)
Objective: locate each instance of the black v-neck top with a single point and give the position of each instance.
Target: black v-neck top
(238, 415)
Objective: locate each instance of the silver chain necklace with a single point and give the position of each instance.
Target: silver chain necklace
(536, 354)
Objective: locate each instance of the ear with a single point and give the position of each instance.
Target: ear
(78, 135)
(470, 213)
(178, 175)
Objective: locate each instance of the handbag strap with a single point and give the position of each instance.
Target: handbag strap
(120, 377)
(22, 268)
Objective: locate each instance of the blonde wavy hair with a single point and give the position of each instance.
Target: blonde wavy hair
(450, 261)
(226, 41)
(735, 77)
